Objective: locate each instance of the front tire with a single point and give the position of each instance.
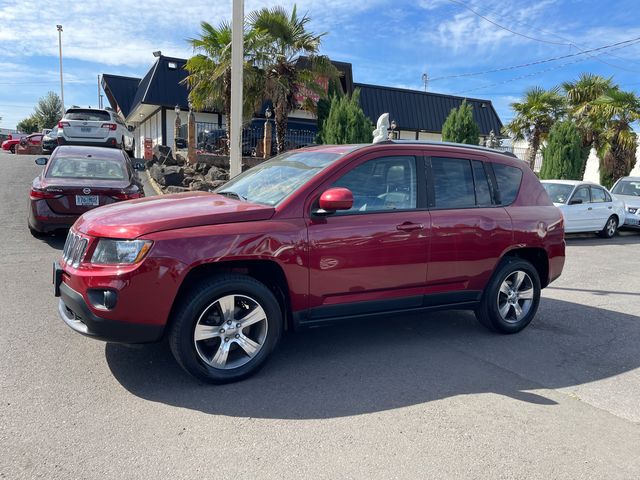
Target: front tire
(12, 149)
(610, 228)
(224, 329)
(511, 299)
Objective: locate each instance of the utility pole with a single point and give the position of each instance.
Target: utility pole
(99, 94)
(425, 80)
(237, 56)
(59, 27)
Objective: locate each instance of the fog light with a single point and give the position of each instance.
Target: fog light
(103, 299)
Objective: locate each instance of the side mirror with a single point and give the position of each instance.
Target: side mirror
(138, 166)
(575, 201)
(131, 128)
(41, 161)
(335, 199)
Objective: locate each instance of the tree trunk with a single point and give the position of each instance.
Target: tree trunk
(281, 122)
(227, 112)
(534, 145)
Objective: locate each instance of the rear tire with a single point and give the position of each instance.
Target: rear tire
(224, 328)
(511, 298)
(36, 233)
(610, 228)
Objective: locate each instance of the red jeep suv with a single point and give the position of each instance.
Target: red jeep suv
(316, 235)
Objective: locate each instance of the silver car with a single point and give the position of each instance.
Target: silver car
(95, 127)
(627, 189)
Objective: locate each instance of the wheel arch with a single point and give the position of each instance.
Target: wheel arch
(268, 272)
(537, 256)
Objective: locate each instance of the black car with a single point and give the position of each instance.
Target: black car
(50, 141)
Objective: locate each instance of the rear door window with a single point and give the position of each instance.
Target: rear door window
(452, 183)
(582, 193)
(598, 195)
(508, 179)
(483, 189)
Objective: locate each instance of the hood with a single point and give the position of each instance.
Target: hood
(629, 200)
(134, 218)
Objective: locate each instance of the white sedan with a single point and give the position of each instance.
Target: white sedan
(586, 207)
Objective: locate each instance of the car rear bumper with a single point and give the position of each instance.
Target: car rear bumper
(43, 219)
(89, 142)
(75, 312)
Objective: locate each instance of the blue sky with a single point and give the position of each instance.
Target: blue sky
(388, 43)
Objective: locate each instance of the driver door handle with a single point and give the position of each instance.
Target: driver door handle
(589, 208)
(409, 226)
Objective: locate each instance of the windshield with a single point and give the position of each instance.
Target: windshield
(271, 182)
(627, 187)
(558, 192)
(83, 167)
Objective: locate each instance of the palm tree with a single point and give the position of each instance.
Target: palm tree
(618, 149)
(535, 115)
(209, 69)
(581, 95)
(286, 40)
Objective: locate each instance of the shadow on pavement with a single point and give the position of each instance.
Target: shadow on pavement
(55, 240)
(625, 237)
(374, 366)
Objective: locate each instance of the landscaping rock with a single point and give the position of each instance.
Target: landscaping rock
(176, 189)
(156, 172)
(216, 173)
(172, 176)
(181, 159)
(162, 155)
(202, 185)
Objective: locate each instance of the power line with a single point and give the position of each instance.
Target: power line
(567, 41)
(623, 44)
(462, 4)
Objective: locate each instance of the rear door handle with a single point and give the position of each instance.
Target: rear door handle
(589, 208)
(408, 226)
(609, 208)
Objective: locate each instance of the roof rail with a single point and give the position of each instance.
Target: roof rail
(450, 144)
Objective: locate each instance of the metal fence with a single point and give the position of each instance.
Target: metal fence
(521, 153)
(210, 137)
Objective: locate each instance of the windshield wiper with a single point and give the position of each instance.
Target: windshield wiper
(231, 194)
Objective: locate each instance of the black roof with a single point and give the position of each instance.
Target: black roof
(416, 110)
(162, 85)
(120, 91)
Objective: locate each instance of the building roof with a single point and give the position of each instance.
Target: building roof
(120, 91)
(163, 85)
(416, 110)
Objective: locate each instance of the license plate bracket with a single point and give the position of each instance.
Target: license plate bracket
(87, 200)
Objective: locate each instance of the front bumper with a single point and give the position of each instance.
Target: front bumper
(75, 312)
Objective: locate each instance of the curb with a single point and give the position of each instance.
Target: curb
(153, 184)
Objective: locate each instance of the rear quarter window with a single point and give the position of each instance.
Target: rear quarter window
(508, 179)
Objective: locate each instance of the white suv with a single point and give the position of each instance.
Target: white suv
(95, 127)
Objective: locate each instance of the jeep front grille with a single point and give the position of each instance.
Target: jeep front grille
(74, 249)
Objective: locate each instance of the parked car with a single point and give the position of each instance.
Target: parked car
(586, 207)
(12, 142)
(30, 145)
(77, 179)
(50, 141)
(95, 127)
(627, 189)
(315, 235)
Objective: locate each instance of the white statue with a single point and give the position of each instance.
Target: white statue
(380, 134)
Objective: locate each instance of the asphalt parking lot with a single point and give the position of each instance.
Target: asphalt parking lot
(429, 396)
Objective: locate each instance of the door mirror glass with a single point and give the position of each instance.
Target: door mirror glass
(131, 128)
(138, 166)
(575, 201)
(41, 161)
(334, 199)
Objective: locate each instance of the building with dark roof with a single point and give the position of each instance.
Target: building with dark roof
(150, 103)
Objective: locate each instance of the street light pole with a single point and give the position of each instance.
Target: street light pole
(61, 81)
(237, 56)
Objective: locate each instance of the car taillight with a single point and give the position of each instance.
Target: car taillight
(126, 196)
(110, 126)
(62, 124)
(36, 194)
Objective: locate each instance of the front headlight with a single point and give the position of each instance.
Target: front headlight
(114, 252)
(632, 209)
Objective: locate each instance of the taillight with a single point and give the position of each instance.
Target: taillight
(36, 194)
(110, 126)
(126, 196)
(62, 124)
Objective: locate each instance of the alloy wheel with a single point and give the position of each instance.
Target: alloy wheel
(515, 296)
(230, 332)
(611, 227)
